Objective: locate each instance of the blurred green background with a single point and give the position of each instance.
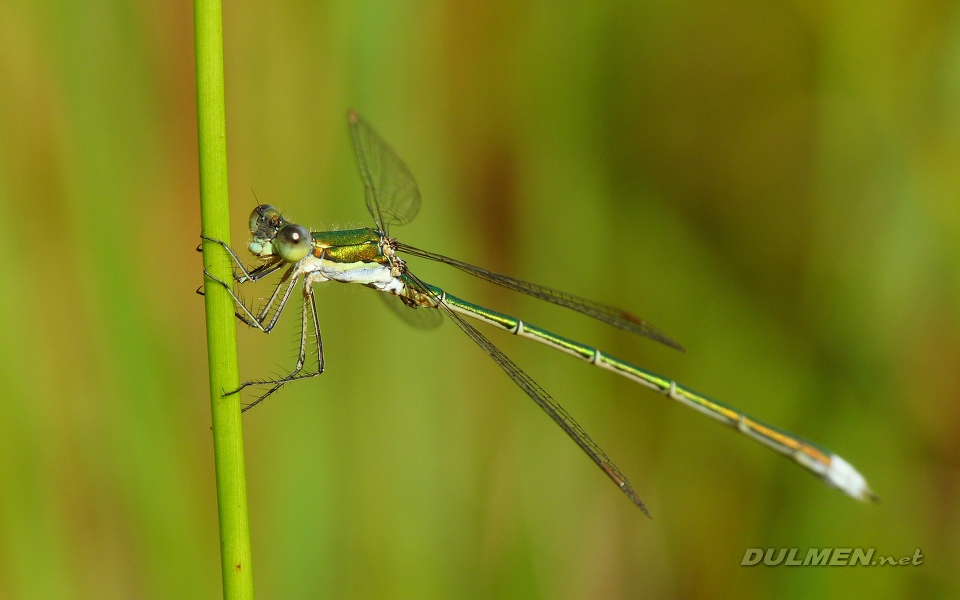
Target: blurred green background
(773, 184)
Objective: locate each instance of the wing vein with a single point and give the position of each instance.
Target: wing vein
(602, 312)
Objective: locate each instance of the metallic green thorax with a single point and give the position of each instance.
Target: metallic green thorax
(349, 246)
(365, 256)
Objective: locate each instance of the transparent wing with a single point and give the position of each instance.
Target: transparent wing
(602, 312)
(556, 412)
(421, 318)
(392, 194)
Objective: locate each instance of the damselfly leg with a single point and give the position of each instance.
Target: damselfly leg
(308, 313)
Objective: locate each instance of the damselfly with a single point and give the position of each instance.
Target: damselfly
(369, 257)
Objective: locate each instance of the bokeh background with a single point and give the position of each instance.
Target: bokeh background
(773, 184)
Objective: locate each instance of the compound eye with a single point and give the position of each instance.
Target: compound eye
(263, 215)
(293, 242)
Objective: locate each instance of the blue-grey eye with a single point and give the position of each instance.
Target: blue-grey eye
(264, 216)
(293, 242)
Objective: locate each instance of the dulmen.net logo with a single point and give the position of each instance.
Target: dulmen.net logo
(826, 557)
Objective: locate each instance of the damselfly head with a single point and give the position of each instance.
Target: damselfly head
(265, 222)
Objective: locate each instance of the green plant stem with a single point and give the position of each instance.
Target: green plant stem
(221, 329)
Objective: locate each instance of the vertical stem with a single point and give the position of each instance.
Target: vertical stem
(221, 329)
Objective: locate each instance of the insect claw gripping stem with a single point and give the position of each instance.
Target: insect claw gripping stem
(233, 254)
(250, 320)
